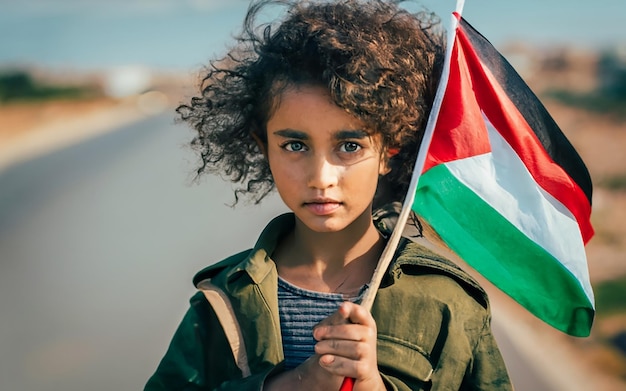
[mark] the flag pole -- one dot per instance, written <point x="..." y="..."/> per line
<point x="394" y="240"/>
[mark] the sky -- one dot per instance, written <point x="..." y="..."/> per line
<point x="185" y="34"/>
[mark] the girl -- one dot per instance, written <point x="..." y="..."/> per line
<point x="329" y="108"/>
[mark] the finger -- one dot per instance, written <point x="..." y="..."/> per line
<point x="337" y="365"/>
<point x="349" y="332"/>
<point x="357" y="314"/>
<point x="354" y="350"/>
<point x="342" y="366"/>
<point x="348" y="313"/>
<point x="338" y="317"/>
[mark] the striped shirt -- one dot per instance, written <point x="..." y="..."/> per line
<point x="299" y="310"/>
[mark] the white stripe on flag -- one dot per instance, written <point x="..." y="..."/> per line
<point x="502" y="181"/>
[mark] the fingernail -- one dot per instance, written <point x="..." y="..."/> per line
<point x="327" y="360"/>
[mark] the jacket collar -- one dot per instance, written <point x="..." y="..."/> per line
<point x="415" y="253"/>
<point x="258" y="263"/>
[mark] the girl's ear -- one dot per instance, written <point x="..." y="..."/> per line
<point x="260" y="143"/>
<point x="384" y="168"/>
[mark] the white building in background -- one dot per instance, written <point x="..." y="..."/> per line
<point x="135" y="82"/>
<point x="125" y="81"/>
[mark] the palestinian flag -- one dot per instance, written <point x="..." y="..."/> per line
<point x="505" y="189"/>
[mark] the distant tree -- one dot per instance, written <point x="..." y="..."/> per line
<point x="610" y="95"/>
<point x="612" y="75"/>
<point x="15" y="85"/>
<point x="20" y="86"/>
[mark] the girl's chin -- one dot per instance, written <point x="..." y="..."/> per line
<point x="323" y="224"/>
<point x="337" y="220"/>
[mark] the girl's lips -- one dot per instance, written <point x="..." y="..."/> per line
<point x="322" y="208"/>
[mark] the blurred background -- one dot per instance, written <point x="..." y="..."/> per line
<point x="102" y="225"/>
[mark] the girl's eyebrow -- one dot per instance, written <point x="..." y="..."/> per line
<point x="290" y="133"/>
<point x="351" y="134"/>
<point x="340" y="135"/>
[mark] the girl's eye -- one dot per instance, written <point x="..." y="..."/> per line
<point x="294" y="146"/>
<point x="349" y="147"/>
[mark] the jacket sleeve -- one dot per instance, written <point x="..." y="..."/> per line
<point x="199" y="343"/>
<point x="180" y="368"/>
<point x="487" y="370"/>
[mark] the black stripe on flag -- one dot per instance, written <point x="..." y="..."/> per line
<point x="548" y="132"/>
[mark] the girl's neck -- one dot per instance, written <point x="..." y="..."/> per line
<point x="330" y="262"/>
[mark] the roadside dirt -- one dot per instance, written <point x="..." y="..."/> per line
<point x="30" y="129"/>
<point x="18" y="118"/>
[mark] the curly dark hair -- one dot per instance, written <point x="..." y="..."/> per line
<point x="379" y="62"/>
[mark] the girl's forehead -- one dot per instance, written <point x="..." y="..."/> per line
<point x="309" y="96"/>
<point x="311" y="104"/>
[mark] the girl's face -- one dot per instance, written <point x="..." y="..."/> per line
<point x="325" y="164"/>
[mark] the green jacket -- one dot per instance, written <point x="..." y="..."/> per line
<point x="433" y="323"/>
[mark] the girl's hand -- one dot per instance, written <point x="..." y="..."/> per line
<point x="307" y="376"/>
<point x="347" y="346"/>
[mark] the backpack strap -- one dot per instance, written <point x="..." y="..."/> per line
<point x="226" y="315"/>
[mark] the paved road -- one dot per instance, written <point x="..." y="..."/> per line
<point x="97" y="246"/>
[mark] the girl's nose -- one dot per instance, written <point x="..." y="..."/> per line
<point x="323" y="173"/>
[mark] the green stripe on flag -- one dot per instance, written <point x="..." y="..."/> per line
<point x="501" y="253"/>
